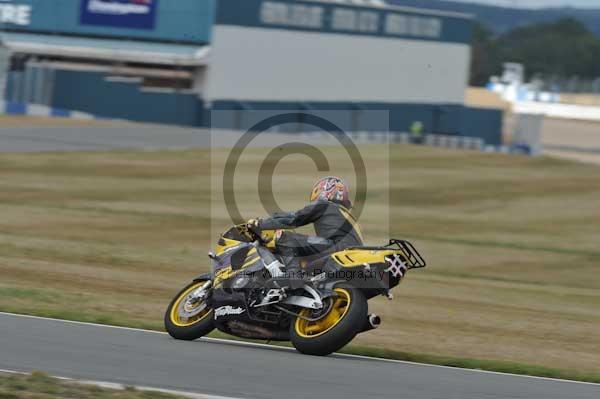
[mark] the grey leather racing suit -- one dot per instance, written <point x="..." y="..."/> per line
<point x="335" y="229"/>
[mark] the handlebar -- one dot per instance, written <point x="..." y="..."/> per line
<point x="256" y="236"/>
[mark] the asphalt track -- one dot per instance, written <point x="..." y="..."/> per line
<point x="109" y="137"/>
<point x="121" y="136"/>
<point x="217" y="367"/>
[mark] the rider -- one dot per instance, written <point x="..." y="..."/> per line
<point x="329" y="212"/>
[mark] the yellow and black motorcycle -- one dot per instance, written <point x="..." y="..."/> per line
<point x="319" y="311"/>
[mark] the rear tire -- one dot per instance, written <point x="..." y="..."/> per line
<point x="192" y="328"/>
<point x="336" y="328"/>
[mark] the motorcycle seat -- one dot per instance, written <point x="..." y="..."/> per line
<point x="318" y="264"/>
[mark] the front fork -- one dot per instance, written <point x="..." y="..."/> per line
<point x="200" y="293"/>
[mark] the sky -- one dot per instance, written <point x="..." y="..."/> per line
<point x="537" y="3"/>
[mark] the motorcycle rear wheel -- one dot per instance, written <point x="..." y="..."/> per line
<point x="199" y="319"/>
<point x="343" y="320"/>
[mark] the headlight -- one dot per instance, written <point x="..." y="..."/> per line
<point x="240" y="281"/>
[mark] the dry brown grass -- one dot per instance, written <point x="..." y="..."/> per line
<point x="512" y="245"/>
<point x="565" y="132"/>
<point x="483" y="98"/>
<point x="580" y="99"/>
<point x="572" y="140"/>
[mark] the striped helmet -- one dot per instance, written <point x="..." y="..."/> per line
<point x="330" y="188"/>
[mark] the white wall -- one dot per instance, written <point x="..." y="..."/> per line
<point x="284" y="65"/>
<point x="564" y="111"/>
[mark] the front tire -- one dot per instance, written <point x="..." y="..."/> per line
<point x="344" y="319"/>
<point x="188" y="320"/>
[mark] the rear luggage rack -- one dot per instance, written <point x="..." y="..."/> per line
<point x="413" y="257"/>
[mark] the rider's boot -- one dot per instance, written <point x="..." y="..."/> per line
<point x="292" y="267"/>
<point x="274" y="266"/>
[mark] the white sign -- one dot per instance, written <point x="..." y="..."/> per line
<point x="103" y="7"/>
<point x="357" y="21"/>
<point x="351" y="20"/>
<point x="396" y="24"/>
<point x="299" y="15"/>
<point x="16" y="14"/>
<point x="227" y="310"/>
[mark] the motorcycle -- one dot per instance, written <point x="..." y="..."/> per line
<point x="319" y="311"/>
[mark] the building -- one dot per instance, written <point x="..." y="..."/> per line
<point x="172" y="61"/>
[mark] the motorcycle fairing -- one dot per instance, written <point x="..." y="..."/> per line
<point x="233" y="305"/>
<point x="359" y="257"/>
<point x="223" y="268"/>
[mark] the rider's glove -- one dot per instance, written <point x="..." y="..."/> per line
<point x="253" y="222"/>
<point x="254" y="225"/>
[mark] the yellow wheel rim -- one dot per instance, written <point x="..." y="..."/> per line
<point x="339" y="309"/>
<point x="183" y="321"/>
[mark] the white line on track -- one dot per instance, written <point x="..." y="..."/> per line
<point x="112" y="385"/>
<point x="282" y="348"/>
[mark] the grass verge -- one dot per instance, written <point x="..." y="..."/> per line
<point x="475" y="364"/>
<point x="39" y="385"/>
<point x="511" y="243"/>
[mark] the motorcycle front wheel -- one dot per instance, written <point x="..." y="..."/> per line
<point x="343" y="318"/>
<point x="188" y="318"/>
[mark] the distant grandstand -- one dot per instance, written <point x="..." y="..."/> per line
<point x="175" y="61"/>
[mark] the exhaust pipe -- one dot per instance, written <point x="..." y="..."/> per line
<point x="372" y="322"/>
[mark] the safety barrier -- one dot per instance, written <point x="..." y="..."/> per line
<point x="12" y="108"/>
<point x="466" y="143"/>
<point x="433" y="140"/>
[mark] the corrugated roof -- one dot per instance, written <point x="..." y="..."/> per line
<point x="106" y="49"/>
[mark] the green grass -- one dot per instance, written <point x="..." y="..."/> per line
<point x="511" y="243"/>
<point x="476" y="364"/>
<point x="38" y="385"/>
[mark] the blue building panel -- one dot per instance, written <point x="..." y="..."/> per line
<point x="446" y="119"/>
<point x="192" y="20"/>
<point x="347" y="19"/>
<point x="88" y="91"/>
<point x="163" y="20"/>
